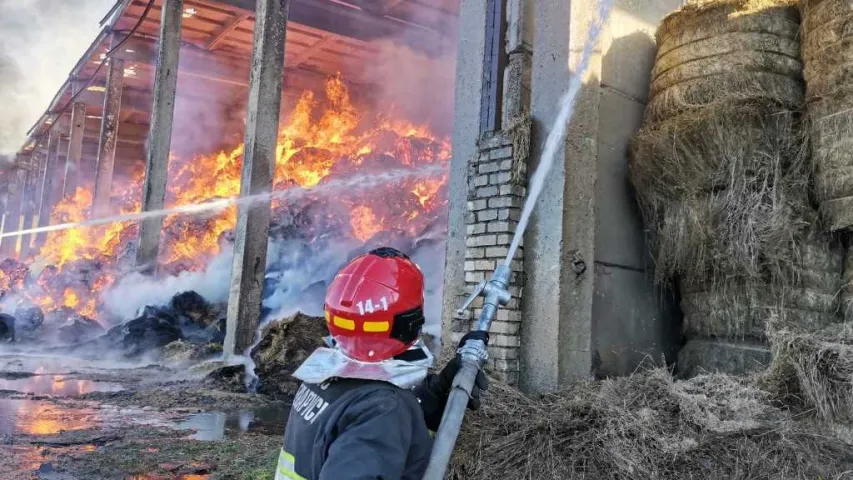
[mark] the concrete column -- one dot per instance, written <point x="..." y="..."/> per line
<point x="559" y="253"/>
<point x="13" y="213"/>
<point x="250" y="248"/>
<point x="48" y="179"/>
<point x="466" y="130"/>
<point x="160" y="134"/>
<point x="73" y="165"/>
<point x="519" y="48"/>
<point x="28" y="197"/>
<point x="108" y="139"/>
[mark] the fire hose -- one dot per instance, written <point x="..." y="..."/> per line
<point x="473" y="355"/>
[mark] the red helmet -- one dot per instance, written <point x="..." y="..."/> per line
<point x="374" y="306"/>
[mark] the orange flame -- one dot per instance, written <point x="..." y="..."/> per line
<point x="320" y="138"/>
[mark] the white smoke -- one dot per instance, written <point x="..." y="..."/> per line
<point x="40" y="41"/>
<point x="135" y="291"/>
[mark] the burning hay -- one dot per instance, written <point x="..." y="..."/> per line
<point x="284" y="345"/>
<point x="643" y="426"/>
<point x="829" y="81"/>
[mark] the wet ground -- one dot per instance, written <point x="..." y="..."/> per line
<point x="65" y="419"/>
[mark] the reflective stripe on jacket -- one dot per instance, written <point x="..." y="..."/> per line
<point x="354" y="430"/>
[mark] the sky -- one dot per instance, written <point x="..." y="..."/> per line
<point x="40" y="41"/>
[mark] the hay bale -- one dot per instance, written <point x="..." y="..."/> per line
<point x="643" y="426"/>
<point x="705" y="355"/>
<point x="834" y="183"/>
<point x="730" y="64"/>
<point x="691" y="95"/>
<point x="726" y="44"/>
<point x="813" y="370"/>
<point x="708" y="149"/>
<point x="722" y="189"/>
<point x="847" y="289"/>
<point x="837" y="213"/>
<point x="700" y="20"/>
<point x="824" y="15"/>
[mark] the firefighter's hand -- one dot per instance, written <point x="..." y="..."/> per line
<point x="445" y="378"/>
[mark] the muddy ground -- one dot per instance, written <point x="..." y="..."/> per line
<point x="66" y="418"/>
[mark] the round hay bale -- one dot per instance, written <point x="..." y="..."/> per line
<point x="834" y="183"/>
<point x="701" y="355"/>
<point x="746" y="322"/>
<point x="847" y="291"/>
<point x="815" y="279"/>
<point x="717" y="303"/>
<point x="826" y="111"/>
<point x="706" y="149"/>
<point x="829" y="35"/>
<point x="700" y="92"/>
<point x="837" y="213"/>
<point x="835" y="83"/>
<point x="732" y="64"/>
<point x="820" y="15"/>
<point x="725" y="44"/>
<point x="701" y="20"/>
<point x="832" y="149"/>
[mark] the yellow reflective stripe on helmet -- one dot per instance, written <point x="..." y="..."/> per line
<point x="376" y="327"/>
<point x="344" y="323"/>
<point x="286" y="467"/>
<point x="326" y="314"/>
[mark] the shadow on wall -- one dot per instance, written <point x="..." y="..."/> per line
<point x="633" y="320"/>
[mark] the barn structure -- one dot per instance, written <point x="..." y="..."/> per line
<point x="583" y="302"/>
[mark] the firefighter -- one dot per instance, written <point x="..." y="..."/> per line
<point x="366" y="405"/>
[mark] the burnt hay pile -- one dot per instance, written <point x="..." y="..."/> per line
<point x="722" y="175"/>
<point x="643" y="426"/>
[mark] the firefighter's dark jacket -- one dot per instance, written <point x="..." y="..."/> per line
<point x="355" y="430"/>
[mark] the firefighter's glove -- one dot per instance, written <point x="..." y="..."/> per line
<point x="435" y="389"/>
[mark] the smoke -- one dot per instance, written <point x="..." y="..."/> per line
<point x="414" y="85"/>
<point x="40" y="43"/>
<point x="135" y="291"/>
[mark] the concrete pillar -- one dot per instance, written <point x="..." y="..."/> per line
<point x="13" y="213"/>
<point x="48" y="179"/>
<point x="560" y="249"/>
<point x="73" y="166"/>
<point x="28" y="210"/>
<point x="108" y="139"/>
<point x="519" y="48"/>
<point x="250" y="248"/>
<point x="466" y="130"/>
<point x="160" y="134"/>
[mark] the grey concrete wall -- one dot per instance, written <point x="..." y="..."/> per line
<point x="466" y="131"/>
<point x="632" y="319"/>
<point x="589" y="304"/>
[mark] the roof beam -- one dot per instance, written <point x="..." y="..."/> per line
<point x="359" y="23"/>
<point x="223" y="32"/>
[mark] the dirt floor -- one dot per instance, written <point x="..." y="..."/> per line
<point x="71" y="419"/>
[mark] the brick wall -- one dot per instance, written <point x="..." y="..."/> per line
<point x="496" y="191"/>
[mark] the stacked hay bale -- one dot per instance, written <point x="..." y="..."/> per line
<point x="722" y="176"/>
<point x="828" y="64"/>
<point x="827" y="56"/>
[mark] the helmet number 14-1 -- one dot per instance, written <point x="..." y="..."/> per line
<point x="367" y="305"/>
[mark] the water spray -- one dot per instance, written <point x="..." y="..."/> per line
<point x="495" y="292"/>
<point x="350" y="184"/>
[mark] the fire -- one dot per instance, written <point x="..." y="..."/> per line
<point x="321" y="138"/>
<point x="364" y="223"/>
